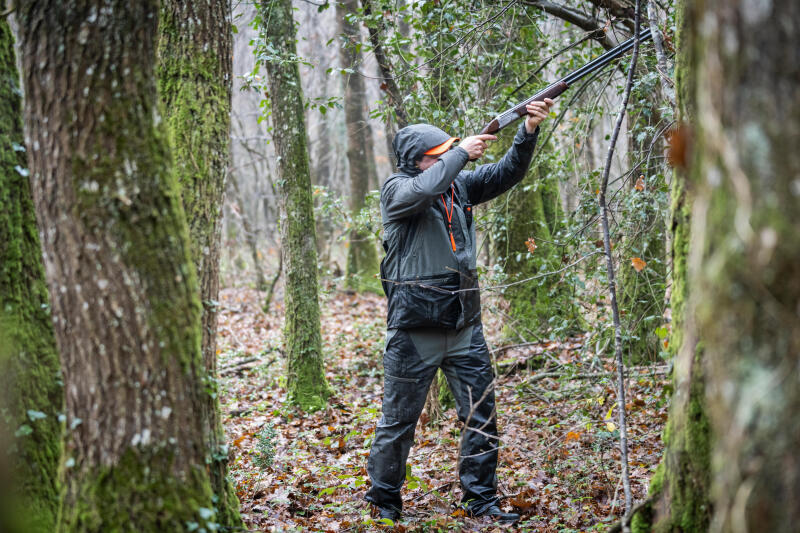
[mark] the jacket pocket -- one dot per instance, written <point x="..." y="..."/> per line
<point x="426" y="302"/>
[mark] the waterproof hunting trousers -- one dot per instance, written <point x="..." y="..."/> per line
<point x="410" y="361"/>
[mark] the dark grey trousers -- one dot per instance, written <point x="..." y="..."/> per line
<point x="410" y="361"/>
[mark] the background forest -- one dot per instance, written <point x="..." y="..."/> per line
<point x="191" y="313"/>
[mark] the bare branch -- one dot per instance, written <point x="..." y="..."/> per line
<point x="391" y="88"/>
<point x="580" y="19"/>
<point x="623" y="432"/>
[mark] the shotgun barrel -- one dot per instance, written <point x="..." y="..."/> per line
<point x="554" y="89"/>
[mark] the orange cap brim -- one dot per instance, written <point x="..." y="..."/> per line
<point x="442" y="148"/>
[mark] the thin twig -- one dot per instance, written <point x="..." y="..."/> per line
<point x="623" y="432"/>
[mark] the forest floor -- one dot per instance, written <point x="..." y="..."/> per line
<point x="559" y="462"/>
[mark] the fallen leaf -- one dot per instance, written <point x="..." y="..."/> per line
<point x="572" y="435"/>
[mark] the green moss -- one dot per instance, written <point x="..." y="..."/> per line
<point x="641" y="522"/>
<point x="30" y="384"/>
<point x="194" y="82"/>
<point x="681" y="487"/>
<point x="138" y="494"/>
<point x="657" y="481"/>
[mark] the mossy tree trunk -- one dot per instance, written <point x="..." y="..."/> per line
<point x="194" y="81"/>
<point x="533" y="210"/>
<point x="679" y="497"/>
<point x="302" y="339"/>
<point x="30" y="384"/>
<point x="745" y="257"/>
<point x="362" y="254"/>
<point x="117" y="256"/>
<point x="743" y="268"/>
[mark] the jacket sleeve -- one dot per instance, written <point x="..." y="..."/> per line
<point x="492" y="180"/>
<point x="402" y="197"/>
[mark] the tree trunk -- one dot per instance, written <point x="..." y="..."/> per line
<point x="302" y="339"/>
<point x="29" y="383"/>
<point x="117" y="256"/>
<point x="362" y="256"/>
<point x="745" y="261"/>
<point x="194" y="81"/>
<point x="679" y="498"/>
<point x="743" y="268"/>
<point x="533" y="210"/>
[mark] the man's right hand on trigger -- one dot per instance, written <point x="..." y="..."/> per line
<point x="476" y="145"/>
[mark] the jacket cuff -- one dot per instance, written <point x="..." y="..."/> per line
<point x="460" y="151"/>
<point x="523" y="134"/>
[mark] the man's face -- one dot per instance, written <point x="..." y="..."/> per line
<point x="427" y="161"/>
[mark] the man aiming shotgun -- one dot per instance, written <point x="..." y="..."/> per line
<point x="429" y="276"/>
<point x="430" y="244"/>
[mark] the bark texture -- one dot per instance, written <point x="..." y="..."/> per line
<point x="302" y="339"/>
<point x="194" y="82"/>
<point x="362" y="255"/>
<point x="117" y="257"/>
<point x="31" y="395"/>
<point x="679" y="498"/>
<point x="745" y="259"/>
<point x="743" y="269"/>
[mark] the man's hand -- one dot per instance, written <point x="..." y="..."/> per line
<point x="476" y="145"/>
<point x="537" y="112"/>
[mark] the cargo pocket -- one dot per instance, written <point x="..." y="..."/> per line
<point x="401" y="399"/>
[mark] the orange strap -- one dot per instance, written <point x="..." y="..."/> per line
<point x="449" y="216"/>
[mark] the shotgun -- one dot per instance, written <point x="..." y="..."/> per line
<point x="554" y="89"/>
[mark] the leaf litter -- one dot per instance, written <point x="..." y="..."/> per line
<point x="558" y="460"/>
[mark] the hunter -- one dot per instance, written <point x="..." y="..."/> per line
<point x="434" y="315"/>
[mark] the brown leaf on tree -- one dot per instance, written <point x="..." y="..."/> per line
<point x="531" y="244"/>
<point x="678" y="153"/>
<point x="638" y="264"/>
<point x="384" y="87"/>
<point x="639" y="183"/>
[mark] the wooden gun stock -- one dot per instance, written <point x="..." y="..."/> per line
<point x="518" y="111"/>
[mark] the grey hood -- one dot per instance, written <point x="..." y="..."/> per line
<point x="411" y="143"/>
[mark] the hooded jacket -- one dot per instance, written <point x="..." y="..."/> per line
<point x="427" y="283"/>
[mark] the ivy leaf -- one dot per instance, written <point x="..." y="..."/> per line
<point x="23" y="431"/>
<point x="33" y="416"/>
